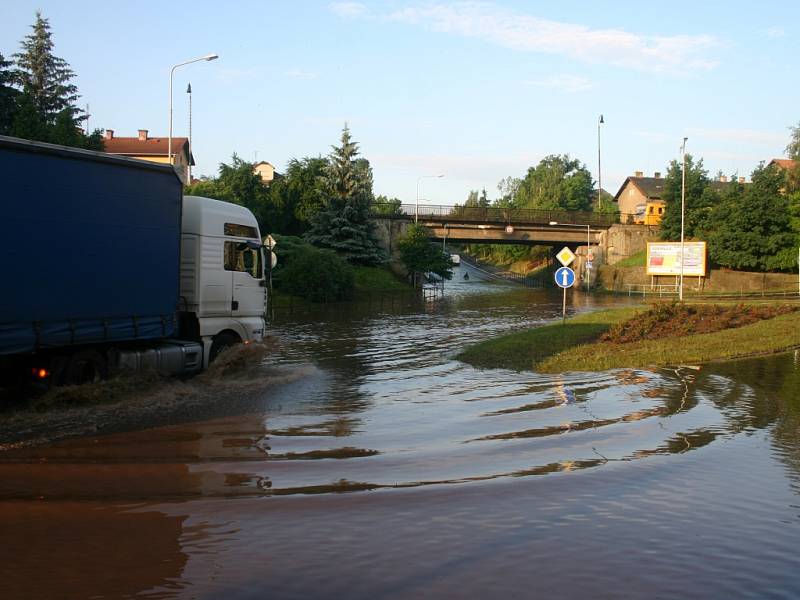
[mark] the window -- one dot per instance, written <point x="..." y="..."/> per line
<point x="235" y="230"/>
<point x="240" y="257"/>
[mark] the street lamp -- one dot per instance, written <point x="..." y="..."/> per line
<point x="189" y="92"/>
<point x="599" y="175"/>
<point x="683" y="209"/>
<point x="588" y="245"/>
<point x="416" y="208"/>
<point x="171" y="73"/>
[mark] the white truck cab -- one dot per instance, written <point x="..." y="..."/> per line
<point x="222" y="273"/>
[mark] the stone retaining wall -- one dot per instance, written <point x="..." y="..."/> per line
<point x="718" y="280"/>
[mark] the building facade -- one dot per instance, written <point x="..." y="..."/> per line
<point x="153" y="149"/>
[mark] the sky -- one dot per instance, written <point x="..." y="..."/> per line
<point x="476" y="91"/>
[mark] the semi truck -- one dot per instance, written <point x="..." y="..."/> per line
<point x="104" y="265"/>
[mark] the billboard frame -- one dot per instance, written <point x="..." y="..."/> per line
<point x="671" y="252"/>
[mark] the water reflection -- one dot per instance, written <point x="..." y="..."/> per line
<point x="85" y="550"/>
<point x="390" y="409"/>
<point x="634" y="475"/>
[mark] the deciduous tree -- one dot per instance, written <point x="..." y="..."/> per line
<point x="751" y="225"/>
<point x="558" y="182"/>
<point x="699" y="201"/>
<point x="419" y="255"/>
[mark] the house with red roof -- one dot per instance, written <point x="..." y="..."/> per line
<point x="153" y="149"/>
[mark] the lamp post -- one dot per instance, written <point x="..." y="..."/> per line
<point x="416" y="207"/>
<point x="588" y="244"/>
<point x="683" y="209"/>
<point x="600" y="121"/>
<point x="189" y="92"/>
<point x="171" y="73"/>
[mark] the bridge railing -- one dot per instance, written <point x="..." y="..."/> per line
<point x="505" y="216"/>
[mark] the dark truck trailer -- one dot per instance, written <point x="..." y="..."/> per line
<point x="89" y="248"/>
<point x="104" y="262"/>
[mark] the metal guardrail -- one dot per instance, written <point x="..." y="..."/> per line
<point x="501" y="274"/>
<point x="672" y="290"/>
<point x="505" y="216"/>
<point x="660" y="289"/>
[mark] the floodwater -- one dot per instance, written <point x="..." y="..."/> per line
<point x="390" y="470"/>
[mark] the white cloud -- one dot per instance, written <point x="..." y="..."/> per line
<point x="775" y="32"/>
<point x="348" y="10"/>
<point x="518" y="31"/>
<point x="565" y="83"/>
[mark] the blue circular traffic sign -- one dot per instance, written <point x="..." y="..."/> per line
<point x="565" y="277"/>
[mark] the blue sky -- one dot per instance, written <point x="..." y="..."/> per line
<point x="477" y="91"/>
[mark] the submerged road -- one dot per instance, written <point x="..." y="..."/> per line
<point x="388" y="469"/>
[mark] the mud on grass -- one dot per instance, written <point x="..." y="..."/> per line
<point x="678" y="320"/>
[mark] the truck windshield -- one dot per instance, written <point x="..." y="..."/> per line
<point x="238" y="257"/>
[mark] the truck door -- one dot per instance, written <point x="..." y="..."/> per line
<point x="244" y="260"/>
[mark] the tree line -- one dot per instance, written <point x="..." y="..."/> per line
<point x="557" y="182"/>
<point x="38" y="100"/>
<point x="321" y="212"/>
<point x="747" y="226"/>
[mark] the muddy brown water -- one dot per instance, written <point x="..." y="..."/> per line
<point x="390" y="470"/>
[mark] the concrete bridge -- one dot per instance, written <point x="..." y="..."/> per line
<point x="504" y="225"/>
<point x="609" y="241"/>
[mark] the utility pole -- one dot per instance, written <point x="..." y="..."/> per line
<point x="599" y="173"/>
<point x="683" y="211"/>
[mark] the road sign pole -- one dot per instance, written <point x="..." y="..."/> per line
<point x="564" y="308"/>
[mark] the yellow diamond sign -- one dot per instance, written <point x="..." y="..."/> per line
<point x="565" y="256"/>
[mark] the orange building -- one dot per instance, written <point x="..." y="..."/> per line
<point x="640" y="199"/>
<point x="153" y="149"/>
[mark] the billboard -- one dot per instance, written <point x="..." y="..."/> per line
<point x="664" y="258"/>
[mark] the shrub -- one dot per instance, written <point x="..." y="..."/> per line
<point x="312" y="273"/>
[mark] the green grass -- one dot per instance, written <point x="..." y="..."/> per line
<point x="764" y="337"/>
<point x="634" y="260"/>
<point x="377" y="279"/>
<point x="526" y="349"/>
<point x="558" y="348"/>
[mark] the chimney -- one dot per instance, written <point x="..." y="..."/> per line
<point x="657" y="174"/>
<point x="723" y="178"/>
<point x="741" y="179"/>
<point x="109" y="134"/>
<point x="638" y="174"/>
<point x="143" y="135"/>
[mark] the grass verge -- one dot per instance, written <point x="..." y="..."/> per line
<point x="764" y="337"/>
<point x="574" y="347"/>
<point x="634" y="260"/>
<point x="526" y="349"/>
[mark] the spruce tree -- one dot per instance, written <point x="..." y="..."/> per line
<point x="45" y="77"/>
<point x="8" y="97"/>
<point x="344" y="224"/>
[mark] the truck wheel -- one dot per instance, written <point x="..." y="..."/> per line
<point x="221" y="341"/>
<point x="58" y="369"/>
<point x="87" y="366"/>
